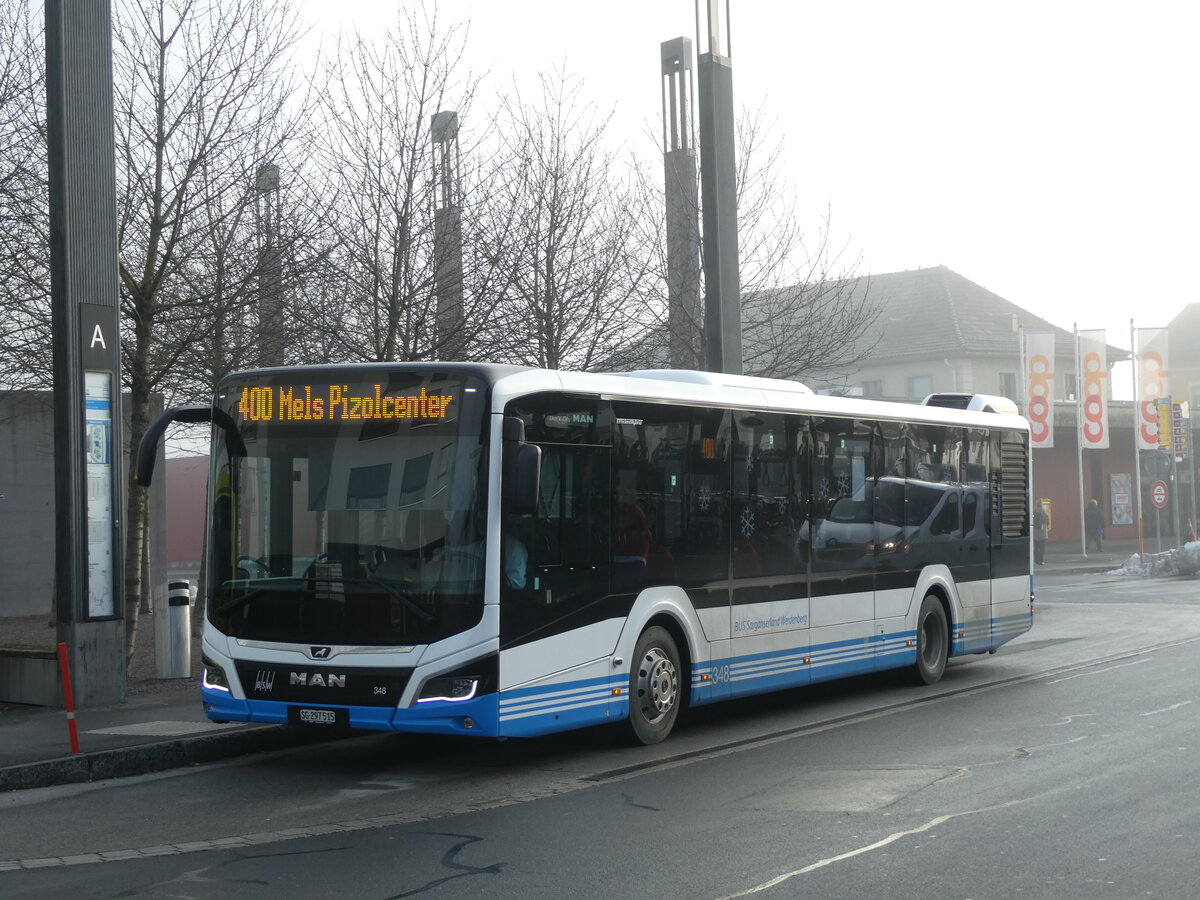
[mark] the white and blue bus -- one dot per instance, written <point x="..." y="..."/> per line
<point x="493" y="550"/>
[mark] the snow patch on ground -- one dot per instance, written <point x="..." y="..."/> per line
<point x="1184" y="561"/>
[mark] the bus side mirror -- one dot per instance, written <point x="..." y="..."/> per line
<point x="143" y="470"/>
<point x="522" y="469"/>
<point x="522" y="478"/>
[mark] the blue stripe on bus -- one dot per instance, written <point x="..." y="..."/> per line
<point x="434" y="717"/>
<point x="561" y="697"/>
<point x="546" y="708"/>
<point x="976" y="637"/>
<point x="773" y="670"/>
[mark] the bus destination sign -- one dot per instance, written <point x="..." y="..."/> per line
<point x="338" y="403"/>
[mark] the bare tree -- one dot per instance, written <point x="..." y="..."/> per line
<point x="377" y="292"/>
<point x="197" y="86"/>
<point x="802" y="311"/>
<point x="25" y="357"/>
<point x="555" y="241"/>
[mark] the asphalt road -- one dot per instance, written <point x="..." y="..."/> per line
<point x="1064" y="766"/>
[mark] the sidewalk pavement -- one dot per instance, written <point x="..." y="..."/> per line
<point x="1068" y="558"/>
<point x="148" y="733"/>
<point x="168" y="729"/>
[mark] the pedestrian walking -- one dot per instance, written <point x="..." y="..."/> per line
<point x="1093" y="525"/>
<point x="1041" y="531"/>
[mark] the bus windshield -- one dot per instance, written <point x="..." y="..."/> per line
<point x="350" y="511"/>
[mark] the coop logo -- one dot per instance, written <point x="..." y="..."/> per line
<point x="316" y="679"/>
<point x="1040" y="393"/>
<point x="1093" y="399"/>
<point x="264" y="681"/>
<point x="1152" y="378"/>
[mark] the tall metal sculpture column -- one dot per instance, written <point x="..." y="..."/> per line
<point x="718" y="185"/>
<point x="447" y="237"/>
<point x="88" y="470"/>
<point x="682" y="206"/>
<point x="271" y="338"/>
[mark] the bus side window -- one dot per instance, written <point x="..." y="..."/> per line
<point x="570" y="531"/>
<point x="843" y="495"/>
<point x="671" y="478"/>
<point x="770" y="469"/>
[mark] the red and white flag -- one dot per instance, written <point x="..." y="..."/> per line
<point x="1153" y="382"/>
<point x="1093" y="390"/>
<point x="1039" y="387"/>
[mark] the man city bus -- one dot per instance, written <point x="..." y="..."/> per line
<point x="495" y="550"/>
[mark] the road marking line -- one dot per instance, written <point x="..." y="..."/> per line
<point x="1068" y="720"/>
<point x="1099" y="671"/>
<point x="1155" y="712"/>
<point x="849" y="854"/>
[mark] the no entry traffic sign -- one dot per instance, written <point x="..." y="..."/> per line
<point x="1158" y="494"/>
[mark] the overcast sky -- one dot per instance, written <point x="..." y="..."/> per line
<point x="1045" y="150"/>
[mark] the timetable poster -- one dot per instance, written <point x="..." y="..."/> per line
<point x="97" y="440"/>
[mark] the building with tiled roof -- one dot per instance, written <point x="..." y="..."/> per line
<point x="937" y="331"/>
<point x="1184" y="347"/>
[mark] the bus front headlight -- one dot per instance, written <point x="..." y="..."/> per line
<point x="455" y="688"/>
<point x="214" y="676"/>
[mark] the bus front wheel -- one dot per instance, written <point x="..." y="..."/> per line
<point x="654" y="688"/>
<point x="932" y="641"/>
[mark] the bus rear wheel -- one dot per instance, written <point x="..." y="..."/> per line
<point x="933" y="641"/>
<point x="654" y="686"/>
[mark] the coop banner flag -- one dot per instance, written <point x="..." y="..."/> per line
<point x="1039" y="387"/>
<point x="1093" y="390"/>
<point x="1153" y="382"/>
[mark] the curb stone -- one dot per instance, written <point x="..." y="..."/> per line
<point x="156" y="757"/>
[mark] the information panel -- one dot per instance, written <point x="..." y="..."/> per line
<point x="97" y="442"/>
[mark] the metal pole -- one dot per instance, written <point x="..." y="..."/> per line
<point x="1079" y="438"/>
<point x="1137" y="421"/>
<point x="682" y="206"/>
<point x="1191" y="456"/>
<point x="718" y="191"/>
<point x="88" y="423"/>
<point x="1158" y="527"/>
<point x="1174" y="495"/>
<point x="447" y="237"/>
<point x="270" y="289"/>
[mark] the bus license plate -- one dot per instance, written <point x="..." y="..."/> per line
<point x="306" y="716"/>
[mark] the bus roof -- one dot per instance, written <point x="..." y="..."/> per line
<point x="716" y="389"/>
<point x="675" y="386"/>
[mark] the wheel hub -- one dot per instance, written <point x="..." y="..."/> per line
<point x="657" y="684"/>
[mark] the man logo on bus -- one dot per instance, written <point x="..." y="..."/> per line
<point x="319" y="652"/>
<point x="316" y="679"/>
